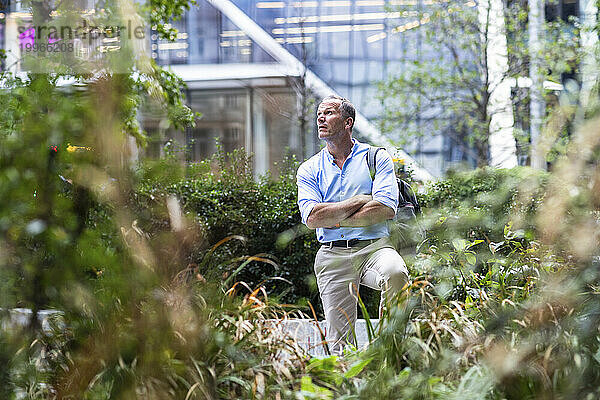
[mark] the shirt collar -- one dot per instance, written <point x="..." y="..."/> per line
<point x="330" y="157"/>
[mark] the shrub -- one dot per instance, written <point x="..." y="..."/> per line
<point x="486" y="200"/>
<point x="261" y="218"/>
<point x="494" y="311"/>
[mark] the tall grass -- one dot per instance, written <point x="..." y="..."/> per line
<point x="499" y="311"/>
<point x="502" y="307"/>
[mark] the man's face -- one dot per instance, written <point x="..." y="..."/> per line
<point x="329" y="119"/>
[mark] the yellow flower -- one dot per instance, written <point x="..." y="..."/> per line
<point x="398" y="160"/>
<point x="71" y="148"/>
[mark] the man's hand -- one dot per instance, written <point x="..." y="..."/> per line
<point x="327" y="215"/>
<point x="371" y="213"/>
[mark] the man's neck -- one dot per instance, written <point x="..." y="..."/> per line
<point x="340" y="150"/>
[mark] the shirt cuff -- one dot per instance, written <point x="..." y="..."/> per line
<point x="307" y="210"/>
<point x="386" y="201"/>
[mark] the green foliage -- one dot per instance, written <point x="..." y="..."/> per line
<point x="495" y="309"/>
<point x="231" y="202"/>
<point x="481" y="202"/>
<point x="161" y="88"/>
<point x="160" y="14"/>
<point x="160" y="297"/>
<point x="222" y="195"/>
<point x="498" y="311"/>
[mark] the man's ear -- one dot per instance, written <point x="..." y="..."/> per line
<point x="349" y="122"/>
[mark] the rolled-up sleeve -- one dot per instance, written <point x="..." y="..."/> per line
<point x="309" y="194"/>
<point x="385" y="187"/>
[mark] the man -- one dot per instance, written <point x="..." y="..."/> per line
<point x="349" y="211"/>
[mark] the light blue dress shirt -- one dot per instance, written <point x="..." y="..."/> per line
<point x="320" y="180"/>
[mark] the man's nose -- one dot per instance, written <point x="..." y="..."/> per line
<point x="321" y="118"/>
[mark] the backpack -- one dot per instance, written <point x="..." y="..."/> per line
<point x="408" y="205"/>
<point x="407" y="233"/>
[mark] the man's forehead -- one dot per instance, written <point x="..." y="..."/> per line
<point x="330" y="104"/>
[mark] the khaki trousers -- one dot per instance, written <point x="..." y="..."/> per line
<point x="339" y="273"/>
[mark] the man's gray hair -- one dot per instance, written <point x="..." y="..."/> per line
<point x="346" y="108"/>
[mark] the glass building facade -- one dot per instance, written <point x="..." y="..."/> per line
<point x="349" y="44"/>
<point x="246" y="102"/>
<point x="258" y="113"/>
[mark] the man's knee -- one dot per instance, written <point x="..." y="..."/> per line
<point x="396" y="272"/>
<point x="397" y="279"/>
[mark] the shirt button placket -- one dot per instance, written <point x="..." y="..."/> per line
<point x="342" y="190"/>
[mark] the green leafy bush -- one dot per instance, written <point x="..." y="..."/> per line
<point x="223" y="196"/>
<point x="486" y="200"/>
<point x="262" y="215"/>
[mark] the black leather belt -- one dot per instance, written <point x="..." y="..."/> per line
<point x="350" y="243"/>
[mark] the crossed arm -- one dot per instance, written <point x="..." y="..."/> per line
<point x="359" y="210"/>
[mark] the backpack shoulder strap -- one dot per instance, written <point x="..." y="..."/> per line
<point x="371" y="160"/>
<point x="407" y="192"/>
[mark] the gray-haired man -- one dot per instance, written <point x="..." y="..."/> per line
<point x="349" y="211"/>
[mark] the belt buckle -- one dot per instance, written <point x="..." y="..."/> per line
<point x="348" y="244"/>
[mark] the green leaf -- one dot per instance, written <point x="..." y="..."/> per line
<point x="322" y="364"/>
<point x="235" y="379"/>
<point x="494" y="246"/>
<point x="459" y="244"/>
<point x="357" y="367"/>
<point x="507" y="228"/>
<point x="471" y="259"/>
<point x="474" y="243"/>
<point x="307" y="386"/>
